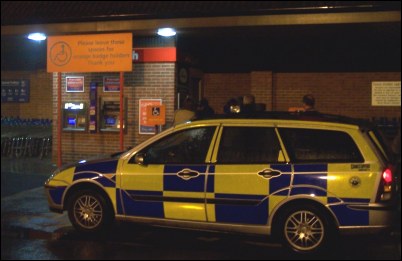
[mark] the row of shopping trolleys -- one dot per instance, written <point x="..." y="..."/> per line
<point x="25" y="137"/>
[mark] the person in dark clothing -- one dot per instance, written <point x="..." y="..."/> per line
<point x="203" y="109"/>
<point x="249" y="105"/>
<point x="308" y="106"/>
<point x="308" y="111"/>
<point x="232" y="106"/>
<point x="308" y="102"/>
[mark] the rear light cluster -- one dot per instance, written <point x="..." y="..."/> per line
<point x="385" y="190"/>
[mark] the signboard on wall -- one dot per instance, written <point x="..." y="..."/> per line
<point x="154" y="54"/>
<point x="386" y="93"/>
<point x="144" y="126"/>
<point x="75" y="84"/>
<point x="111" y="84"/>
<point x="90" y="53"/>
<point x="156" y="115"/>
<point x="15" y="91"/>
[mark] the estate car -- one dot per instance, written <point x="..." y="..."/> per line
<point x="303" y="179"/>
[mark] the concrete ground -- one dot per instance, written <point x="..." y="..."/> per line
<point x="24" y="207"/>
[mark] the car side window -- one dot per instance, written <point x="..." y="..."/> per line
<point x="307" y="146"/>
<point x="248" y="145"/>
<point x="184" y="147"/>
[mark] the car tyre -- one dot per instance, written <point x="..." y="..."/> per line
<point x="89" y="212"/>
<point x="305" y="229"/>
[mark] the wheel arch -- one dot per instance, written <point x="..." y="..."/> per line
<point x="86" y="185"/>
<point x="277" y="216"/>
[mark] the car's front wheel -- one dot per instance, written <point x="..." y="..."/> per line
<point x="89" y="212"/>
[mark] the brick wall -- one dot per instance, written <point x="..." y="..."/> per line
<point x="153" y="81"/>
<point x="40" y="97"/>
<point x="147" y="81"/>
<point x="261" y="88"/>
<point x="219" y="88"/>
<point x="335" y="93"/>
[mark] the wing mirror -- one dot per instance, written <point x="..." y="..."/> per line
<point x="140" y="159"/>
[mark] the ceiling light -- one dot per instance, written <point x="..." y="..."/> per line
<point x="166" y="32"/>
<point x="37" y="36"/>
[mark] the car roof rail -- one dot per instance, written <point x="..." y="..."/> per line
<point x="285" y="115"/>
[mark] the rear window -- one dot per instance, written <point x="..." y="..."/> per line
<point x="378" y="139"/>
<point x="306" y="145"/>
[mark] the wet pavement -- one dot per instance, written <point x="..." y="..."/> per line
<point x="24" y="207"/>
<point x="26" y="215"/>
<point x="23" y="174"/>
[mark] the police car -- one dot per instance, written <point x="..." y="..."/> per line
<point x="297" y="177"/>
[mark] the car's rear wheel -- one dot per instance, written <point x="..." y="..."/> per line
<point x="89" y="212"/>
<point x="305" y="229"/>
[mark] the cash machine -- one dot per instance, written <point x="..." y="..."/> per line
<point x="75" y="116"/>
<point x="110" y="114"/>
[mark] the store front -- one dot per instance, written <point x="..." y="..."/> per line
<point x="202" y="61"/>
<point x="91" y="102"/>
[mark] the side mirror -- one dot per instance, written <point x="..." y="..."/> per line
<point x="140" y="159"/>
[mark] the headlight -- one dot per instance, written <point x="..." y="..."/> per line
<point x="58" y="170"/>
<point x="55" y="172"/>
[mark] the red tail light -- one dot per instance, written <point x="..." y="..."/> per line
<point x="387" y="176"/>
<point x="385" y="189"/>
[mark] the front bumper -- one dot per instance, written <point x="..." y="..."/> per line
<point x="54" y="197"/>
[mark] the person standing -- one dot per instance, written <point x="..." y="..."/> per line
<point x="232" y="106"/>
<point x="203" y="109"/>
<point x="308" y="103"/>
<point x="248" y="104"/>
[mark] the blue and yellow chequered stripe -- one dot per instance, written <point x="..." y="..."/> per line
<point x="319" y="179"/>
<point x="248" y="205"/>
<point x="103" y="172"/>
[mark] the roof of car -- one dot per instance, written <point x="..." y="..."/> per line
<point x="304" y="116"/>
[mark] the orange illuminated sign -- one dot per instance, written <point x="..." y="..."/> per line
<point x="155" y="115"/>
<point x="154" y="54"/>
<point x="90" y="53"/>
<point x="147" y="126"/>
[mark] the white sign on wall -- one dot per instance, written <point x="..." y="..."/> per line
<point x="386" y="93"/>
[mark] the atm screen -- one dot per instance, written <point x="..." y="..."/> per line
<point x="72" y="121"/>
<point x="110" y="121"/>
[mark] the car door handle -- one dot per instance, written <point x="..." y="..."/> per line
<point x="187" y="174"/>
<point x="269" y="173"/>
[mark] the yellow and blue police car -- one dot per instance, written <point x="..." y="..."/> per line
<point x="301" y="178"/>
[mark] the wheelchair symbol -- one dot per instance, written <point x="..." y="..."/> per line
<point x="156" y="111"/>
<point x="60" y="53"/>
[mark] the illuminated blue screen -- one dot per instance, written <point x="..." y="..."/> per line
<point x="110" y="121"/>
<point x="71" y="121"/>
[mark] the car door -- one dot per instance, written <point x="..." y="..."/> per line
<point x="251" y="175"/>
<point x="170" y="181"/>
